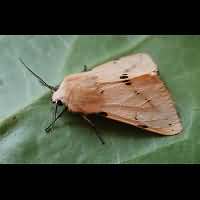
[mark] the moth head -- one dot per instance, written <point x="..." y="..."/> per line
<point x="57" y="98"/>
<point x="58" y="102"/>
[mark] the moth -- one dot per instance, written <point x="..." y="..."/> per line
<point x="127" y="89"/>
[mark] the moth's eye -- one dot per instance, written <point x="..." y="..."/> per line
<point x="59" y="103"/>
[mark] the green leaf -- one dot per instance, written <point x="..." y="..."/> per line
<point x="26" y="108"/>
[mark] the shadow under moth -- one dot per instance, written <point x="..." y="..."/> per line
<point x="128" y="90"/>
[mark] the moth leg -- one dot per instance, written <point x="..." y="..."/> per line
<point x="55" y="113"/>
<point x="53" y="122"/>
<point x="85" y="69"/>
<point x="93" y="126"/>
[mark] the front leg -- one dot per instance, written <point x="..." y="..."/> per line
<point x="55" y="119"/>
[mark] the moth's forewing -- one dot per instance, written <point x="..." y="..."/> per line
<point x="127" y="90"/>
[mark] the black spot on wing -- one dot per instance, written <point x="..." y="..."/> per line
<point x="123" y="77"/>
<point x="136" y="118"/>
<point x="137" y="93"/>
<point x="147" y="100"/>
<point x="125" y="81"/>
<point x="102" y="114"/>
<point x="142" y="126"/>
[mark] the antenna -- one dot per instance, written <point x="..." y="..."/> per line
<point x="40" y="79"/>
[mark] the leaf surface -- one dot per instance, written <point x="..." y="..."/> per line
<point x="26" y="108"/>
